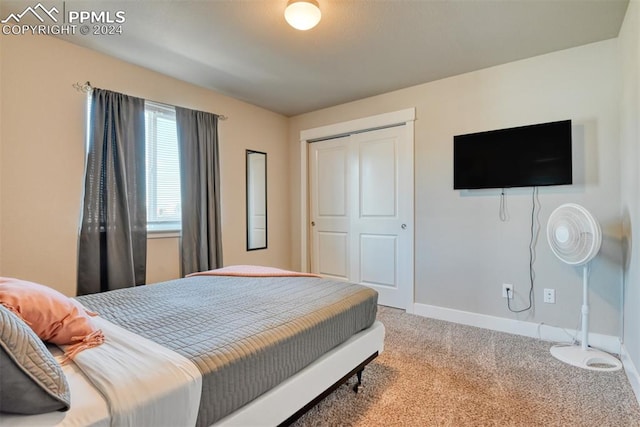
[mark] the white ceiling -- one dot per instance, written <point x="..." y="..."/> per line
<point x="361" y="48"/>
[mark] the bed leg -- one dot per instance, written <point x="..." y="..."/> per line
<point x="359" y="383"/>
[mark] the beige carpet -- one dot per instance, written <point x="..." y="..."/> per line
<point x="436" y="373"/>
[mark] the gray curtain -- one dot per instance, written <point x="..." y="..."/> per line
<point x="112" y="248"/>
<point x="200" y="186"/>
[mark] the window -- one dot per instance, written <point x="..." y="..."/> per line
<point x="163" y="168"/>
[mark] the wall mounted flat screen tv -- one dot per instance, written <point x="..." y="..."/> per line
<point x="526" y="156"/>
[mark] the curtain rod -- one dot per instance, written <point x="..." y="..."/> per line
<point x="86" y="88"/>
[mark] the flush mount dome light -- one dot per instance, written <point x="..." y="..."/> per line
<point x="302" y="14"/>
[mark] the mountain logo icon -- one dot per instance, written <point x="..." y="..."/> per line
<point x="38" y="11"/>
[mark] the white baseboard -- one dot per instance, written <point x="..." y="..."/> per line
<point x="607" y="343"/>
<point x="631" y="371"/>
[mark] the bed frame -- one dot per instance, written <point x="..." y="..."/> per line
<point x="289" y="400"/>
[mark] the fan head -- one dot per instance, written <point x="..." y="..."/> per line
<point x="573" y="234"/>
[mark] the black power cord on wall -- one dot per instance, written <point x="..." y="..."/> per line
<point x="535" y="229"/>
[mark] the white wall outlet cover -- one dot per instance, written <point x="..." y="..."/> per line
<point x="550" y="296"/>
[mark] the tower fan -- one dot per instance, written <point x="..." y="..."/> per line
<point x="575" y="237"/>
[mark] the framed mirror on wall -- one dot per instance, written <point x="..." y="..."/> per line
<point x="256" y="200"/>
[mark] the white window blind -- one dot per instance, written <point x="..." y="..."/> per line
<point x="163" y="168"/>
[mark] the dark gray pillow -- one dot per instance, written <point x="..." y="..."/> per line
<point x="31" y="380"/>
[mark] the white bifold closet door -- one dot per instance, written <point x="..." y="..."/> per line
<point x="361" y="205"/>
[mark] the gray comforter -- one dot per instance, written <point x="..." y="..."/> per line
<point x="246" y="335"/>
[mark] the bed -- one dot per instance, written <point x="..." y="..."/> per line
<point x="218" y="350"/>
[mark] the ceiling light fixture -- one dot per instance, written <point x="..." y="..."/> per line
<point x="302" y="14"/>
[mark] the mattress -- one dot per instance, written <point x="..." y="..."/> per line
<point x="245" y="335"/>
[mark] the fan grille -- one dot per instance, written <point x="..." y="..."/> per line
<point x="573" y="234"/>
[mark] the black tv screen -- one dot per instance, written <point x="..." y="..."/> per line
<point x="526" y="156"/>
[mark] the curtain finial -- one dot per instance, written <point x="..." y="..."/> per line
<point x="84" y="88"/>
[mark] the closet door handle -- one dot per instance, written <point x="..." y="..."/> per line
<point x="313" y="223"/>
<point x="403" y="226"/>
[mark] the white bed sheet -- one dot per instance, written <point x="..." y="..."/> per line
<point x="127" y="381"/>
<point x="143" y="382"/>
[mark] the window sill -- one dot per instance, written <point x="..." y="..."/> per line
<point x="163" y="234"/>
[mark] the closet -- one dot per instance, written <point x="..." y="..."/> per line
<point x="360" y="193"/>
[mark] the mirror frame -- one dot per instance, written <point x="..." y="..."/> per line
<point x="248" y="197"/>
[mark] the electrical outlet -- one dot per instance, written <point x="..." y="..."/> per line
<point x="507" y="290"/>
<point x="550" y="296"/>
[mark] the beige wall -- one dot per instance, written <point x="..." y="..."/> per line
<point x="42" y="159"/>
<point x="630" y="138"/>
<point x="463" y="252"/>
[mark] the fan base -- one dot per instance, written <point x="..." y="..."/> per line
<point x="590" y="358"/>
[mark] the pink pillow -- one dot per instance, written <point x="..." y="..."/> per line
<point x="52" y="316"/>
